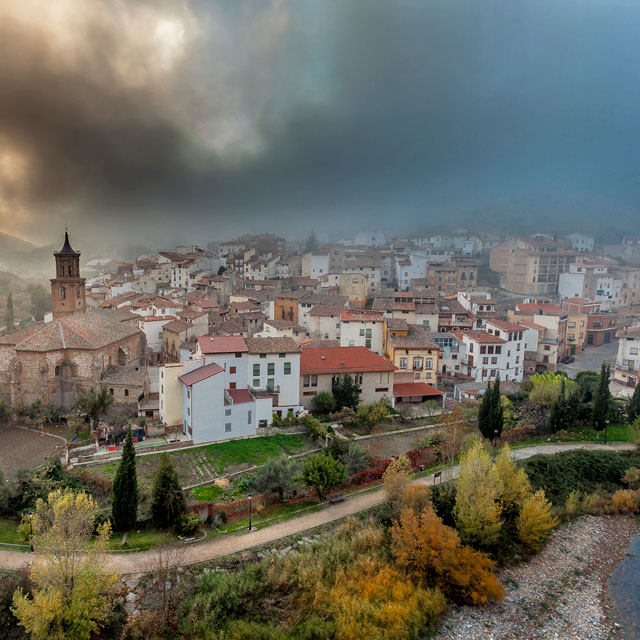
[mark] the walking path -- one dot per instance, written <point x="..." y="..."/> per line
<point x="223" y="546"/>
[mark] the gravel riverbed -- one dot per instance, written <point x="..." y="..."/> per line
<point x="560" y="594"/>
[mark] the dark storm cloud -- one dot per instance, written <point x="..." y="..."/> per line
<point x="200" y="117"/>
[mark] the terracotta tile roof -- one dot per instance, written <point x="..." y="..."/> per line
<point x="176" y="326"/>
<point x="250" y="306"/>
<point x="629" y="332"/>
<point x="417" y="338"/>
<point x="240" y="396"/>
<point x="191" y="314"/>
<point x="283" y="324"/>
<point x="294" y="295"/>
<point x="547" y="309"/>
<point x="201" y="373"/>
<point x="325" y="310"/>
<point x="481" y="336"/>
<point x="231" y="327"/>
<point x="397" y="324"/>
<point x="205" y="304"/>
<point x="325" y="299"/>
<point x="362" y="316"/>
<point x="342" y="360"/>
<point x="404" y="390"/>
<point x="504" y="326"/>
<point x="387" y="304"/>
<point x="222" y="344"/>
<point x="451" y="306"/>
<point x="318" y="344"/>
<point x="91" y="330"/>
<point x="531" y="325"/>
<point x="272" y="345"/>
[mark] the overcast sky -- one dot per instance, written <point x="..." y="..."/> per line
<point x="138" y="121"/>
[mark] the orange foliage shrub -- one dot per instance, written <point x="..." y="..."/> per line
<point x="432" y="552"/>
<point x="374" y="601"/>
<point x="624" y="501"/>
<point x="417" y="497"/>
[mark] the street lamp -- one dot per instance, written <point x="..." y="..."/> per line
<point x="495" y="436"/>
<point x="31" y="530"/>
<point x="250" y="496"/>
<point x="606" y="429"/>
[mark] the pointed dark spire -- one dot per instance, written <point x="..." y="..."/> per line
<point x="66" y="248"/>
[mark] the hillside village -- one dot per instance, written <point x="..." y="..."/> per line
<point x="212" y="343"/>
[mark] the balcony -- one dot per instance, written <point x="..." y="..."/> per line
<point x="263" y="393"/>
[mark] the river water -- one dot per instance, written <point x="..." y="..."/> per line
<point x="624" y="590"/>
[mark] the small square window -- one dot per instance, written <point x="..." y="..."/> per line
<point x="227" y="427"/>
<point x="227" y="412"/>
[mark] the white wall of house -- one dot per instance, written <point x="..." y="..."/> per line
<point x="272" y="371"/>
<point x="362" y="333"/>
<point x="153" y="331"/>
<point x="314" y="266"/>
<point x="323" y="327"/>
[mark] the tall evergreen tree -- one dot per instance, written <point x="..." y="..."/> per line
<point x="167" y="502"/>
<point x="9" y="318"/>
<point x="311" y="243"/>
<point x="634" y="404"/>
<point x="125" y="489"/>
<point x="498" y="410"/>
<point x="602" y="399"/>
<point x="484" y="413"/>
<point x="345" y="391"/>
<point x="557" y="417"/>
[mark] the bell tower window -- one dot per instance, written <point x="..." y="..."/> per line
<point x="63" y="293"/>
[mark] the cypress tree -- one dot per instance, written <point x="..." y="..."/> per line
<point x="125" y="489"/>
<point x="634" y="404"/>
<point x="484" y="413"/>
<point x="9" y="318"/>
<point x="557" y="417"/>
<point x="602" y="399"/>
<point x="497" y="415"/>
<point x="168" y="502"/>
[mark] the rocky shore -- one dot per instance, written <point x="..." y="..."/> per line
<point x="560" y="594"/>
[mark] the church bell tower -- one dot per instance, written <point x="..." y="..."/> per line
<point x="67" y="288"/>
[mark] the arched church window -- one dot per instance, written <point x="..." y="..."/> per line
<point x="57" y="370"/>
<point x="70" y="271"/>
<point x="78" y="292"/>
<point x="63" y="293"/>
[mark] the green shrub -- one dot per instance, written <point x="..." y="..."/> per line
<point x="325" y="402"/>
<point x="221" y="597"/>
<point x="188" y="524"/>
<point x="585" y="471"/>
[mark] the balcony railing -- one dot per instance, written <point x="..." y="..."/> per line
<point x="267" y="391"/>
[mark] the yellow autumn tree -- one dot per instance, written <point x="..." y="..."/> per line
<point x="375" y="601"/>
<point x="535" y="520"/>
<point x="72" y="595"/>
<point x="512" y="481"/>
<point x="477" y="510"/>
<point x="431" y="552"/>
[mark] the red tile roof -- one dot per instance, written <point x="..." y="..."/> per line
<point x="405" y="390"/>
<point x="222" y="344"/>
<point x="240" y="396"/>
<point x="536" y="308"/>
<point x="479" y="336"/>
<point x="362" y="316"/>
<point x="201" y="373"/>
<point x="504" y="326"/>
<point x="342" y="360"/>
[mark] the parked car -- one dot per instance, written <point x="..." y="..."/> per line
<point x="568" y="360"/>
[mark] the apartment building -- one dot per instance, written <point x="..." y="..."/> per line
<point x="627" y="370"/>
<point x="532" y="266"/>
<point x="411" y="350"/>
<point x="362" y="329"/>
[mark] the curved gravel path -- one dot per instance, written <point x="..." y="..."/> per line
<point x="139" y="562"/>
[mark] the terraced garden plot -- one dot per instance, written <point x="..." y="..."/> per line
<point x="202" y="463"/>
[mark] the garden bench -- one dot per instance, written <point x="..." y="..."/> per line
<point x="335" y="499"/>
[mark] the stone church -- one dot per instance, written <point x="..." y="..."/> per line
<point x="73" y="350"/>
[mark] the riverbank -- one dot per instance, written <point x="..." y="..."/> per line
<point x="560" y="594"/>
